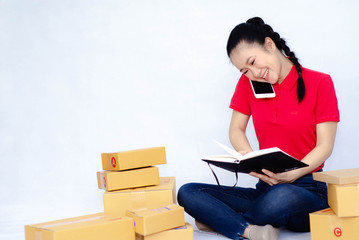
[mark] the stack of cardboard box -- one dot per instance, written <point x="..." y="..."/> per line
<point x="134" y="188"/>
<point x="341" y="220"/>
<point x="138" y="204"/>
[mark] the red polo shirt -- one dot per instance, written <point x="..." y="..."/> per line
<point x="282" y="121"/>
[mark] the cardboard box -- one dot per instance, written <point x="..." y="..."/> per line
<point x="117" y="180"/>
<point x="154" y="220"/>
<point x="133" y="159"/>
<point x="340" y="177"/>
<point x="343" y="190"/>
<point x="182" y="233"/>
<point x="344" y="199"/>
<point x="117" y="202"/>
<point x="88" y="227"/>
<point x="325" y="225"/>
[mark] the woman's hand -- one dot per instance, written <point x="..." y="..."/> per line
<point x="277" y="178"/>
<point x="244" y="152"/>
<point x="325" y="141"/>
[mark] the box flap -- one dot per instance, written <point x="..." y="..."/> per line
<point x="344" y="176"/>
<point x="327" y="211"/>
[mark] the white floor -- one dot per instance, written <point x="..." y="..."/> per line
<point x="284" y="234"/>
<point x="12" y="227"/>
<point x="15" y="231"/>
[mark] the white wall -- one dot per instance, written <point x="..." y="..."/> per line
<point x="83" y="77"/>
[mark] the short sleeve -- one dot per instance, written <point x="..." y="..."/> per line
<point x="327" y="103"/>
<point x="240" y="100"/>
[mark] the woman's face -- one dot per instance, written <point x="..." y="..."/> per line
<point x="257" y="62"/>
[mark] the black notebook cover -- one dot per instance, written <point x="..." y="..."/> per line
<point x="275" y="162"/>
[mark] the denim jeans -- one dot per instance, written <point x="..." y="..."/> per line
<point x="231" y="210"/>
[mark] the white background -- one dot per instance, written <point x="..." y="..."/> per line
<point x="82" y="77"/>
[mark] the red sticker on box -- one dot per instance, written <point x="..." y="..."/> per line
<point x="113" y="162"/>
<point x="104" y="182"/>
<point x="337" y="232"/>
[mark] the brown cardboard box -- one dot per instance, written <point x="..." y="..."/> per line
<point x="182" y="233"/>
<point x="344" y="199"/>
<point x="117" y="202"/>
<point x="154" y="220"/>
<point x="325" y="225"/>
<point x="341" y="177"/>
<point x="133" y="159"/>
<point x="117" y="180"/>
<point x="343" y="190"/>
<point x="88" y="227"/>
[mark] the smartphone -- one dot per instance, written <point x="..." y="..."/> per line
<point x="262" y="89"/>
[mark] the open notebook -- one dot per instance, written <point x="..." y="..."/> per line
<point x="272" y="159"/>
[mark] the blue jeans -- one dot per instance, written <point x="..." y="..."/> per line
<point x="231" y="210"/>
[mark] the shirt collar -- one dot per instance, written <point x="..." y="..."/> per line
<point x="290" y="80"/>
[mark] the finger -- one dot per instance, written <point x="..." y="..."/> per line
<point x="254" y="174"/>
<point x="271" y="180"/>
<point x="257" y="175"/>
<point x="268" y="173"/>
<point x="262" y="177"/>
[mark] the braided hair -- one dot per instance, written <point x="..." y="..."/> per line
<point x="255" y="31"/>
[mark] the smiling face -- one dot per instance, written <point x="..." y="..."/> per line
<point x="262" y="63"/>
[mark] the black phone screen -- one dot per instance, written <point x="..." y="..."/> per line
<point x="262" y="87"/>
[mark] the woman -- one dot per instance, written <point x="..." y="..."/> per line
<point x="301" y="120"/>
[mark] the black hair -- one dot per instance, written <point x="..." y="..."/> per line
<point x="255" y="31"/>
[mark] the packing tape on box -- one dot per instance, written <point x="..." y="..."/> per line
<point x="38" y="234"/>
<point x="72" y="222"/>
<point x="138" y="199"/>
<point x="161" y="209"/>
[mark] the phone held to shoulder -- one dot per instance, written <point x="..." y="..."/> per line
<point x="262" y="89"/>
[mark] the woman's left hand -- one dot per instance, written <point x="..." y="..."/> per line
<point x="275" y="178"/>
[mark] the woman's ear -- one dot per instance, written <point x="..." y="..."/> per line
<point x="269" y="44"/>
